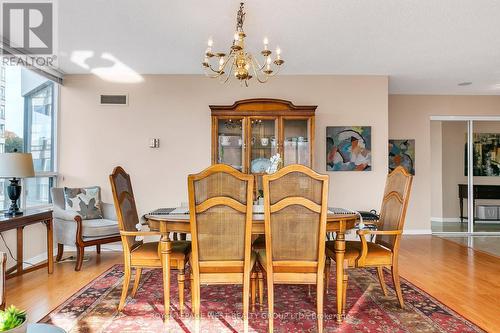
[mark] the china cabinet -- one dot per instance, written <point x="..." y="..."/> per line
<point x="246" y="134"/>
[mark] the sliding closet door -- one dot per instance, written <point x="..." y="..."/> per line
<point x="449" y="183"/>
<point x="486" y="176"/>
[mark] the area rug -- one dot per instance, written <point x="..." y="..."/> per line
<point x="93" y="308"/>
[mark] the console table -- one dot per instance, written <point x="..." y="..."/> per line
<point x="19" y="222"/>
<point x="490" y="192"/>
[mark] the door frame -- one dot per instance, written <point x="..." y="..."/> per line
<point x="470" y="176"/>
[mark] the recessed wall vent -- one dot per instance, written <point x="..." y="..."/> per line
<point x="115" y="99"/>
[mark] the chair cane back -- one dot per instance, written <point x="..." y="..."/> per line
<point x="220" y="205"/>
<point x="295" y="212"/>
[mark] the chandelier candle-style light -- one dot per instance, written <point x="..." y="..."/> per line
<point x="239" y="62"/>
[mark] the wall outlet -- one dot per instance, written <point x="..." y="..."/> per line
<point x="154" y="143"/>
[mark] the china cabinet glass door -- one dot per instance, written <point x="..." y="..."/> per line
<point x="263" y="142"/>
<point x="296" y="144"/>
<point x="231" y="143"/>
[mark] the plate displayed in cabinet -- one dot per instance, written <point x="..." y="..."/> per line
<point x="260" y="165"/>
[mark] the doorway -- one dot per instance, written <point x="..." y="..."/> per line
<point x="465" y="160"/>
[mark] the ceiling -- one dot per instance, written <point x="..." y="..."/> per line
<point x="424" y="46"/>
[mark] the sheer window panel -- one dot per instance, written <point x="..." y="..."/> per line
<point x="36" y="192"/>
<point x="4" y="199"/>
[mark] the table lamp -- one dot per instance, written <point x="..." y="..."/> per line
<point x="15" y="166"/>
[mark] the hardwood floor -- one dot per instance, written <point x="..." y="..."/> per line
<point x="465" y="280"/>
<point x="39" y="292"/>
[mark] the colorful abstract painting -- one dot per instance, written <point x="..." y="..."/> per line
<point x="402" y="152"/>
<point x="348" y="148"/>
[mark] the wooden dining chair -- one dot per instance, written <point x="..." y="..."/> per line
<point x="383" y="252"/>
<point x="138" y="254"/>
<point x="220" y="205"/>
<point x="295" y="211"/>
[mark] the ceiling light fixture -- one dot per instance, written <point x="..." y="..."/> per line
<point x="464" y="84"/>
<point x="239" y="62"/>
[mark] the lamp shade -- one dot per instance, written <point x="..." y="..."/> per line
<point x="16" y="165"/>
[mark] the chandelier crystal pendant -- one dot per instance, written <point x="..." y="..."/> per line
<point x="239" y="62"/>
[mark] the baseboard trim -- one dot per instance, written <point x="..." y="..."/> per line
<point x="446" y="219"/>
<point x="104" y="248"/>
<point x="43" y="256"/>
<point x="35" y="260"/>
<point x="417" y="232"/>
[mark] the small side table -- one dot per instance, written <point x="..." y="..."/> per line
<point x="18" y="222"/>
<point x="44" y="328"/>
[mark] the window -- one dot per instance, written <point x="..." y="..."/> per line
<point x="28" y="125"/>
<point x="38" y="127"/>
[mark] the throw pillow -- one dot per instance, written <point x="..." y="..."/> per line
<point x="85" y="201"/>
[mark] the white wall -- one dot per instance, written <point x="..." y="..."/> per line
<point x="94" y="139"/>
<point x="437" y="168"/>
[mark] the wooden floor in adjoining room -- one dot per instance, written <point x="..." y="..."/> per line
<point x="465" y="280"/>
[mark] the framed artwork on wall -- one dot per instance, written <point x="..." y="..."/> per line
<point x="348" y="148"/>
<point x="486" y="155"/>
<point x="402" y="152"/>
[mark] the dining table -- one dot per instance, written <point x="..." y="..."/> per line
<point x="172" y="222"/>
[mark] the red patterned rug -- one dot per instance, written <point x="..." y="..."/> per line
<point x="93" y="308"/>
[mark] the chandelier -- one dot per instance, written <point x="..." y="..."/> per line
<point x="239" y="62"/>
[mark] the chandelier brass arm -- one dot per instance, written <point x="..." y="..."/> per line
<point x="240" y="63"/>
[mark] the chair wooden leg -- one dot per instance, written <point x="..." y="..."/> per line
<point x="246" y="298"/>
<point x="260" y="278"/>
<point x="126" y="284"/>
<point x="397" y="285"/>
<point x="319" y="302"/>
<point x="60" y="251"/>
<point x="195" y="290"/>
<point x="138" y="272"/>
<point x="380" y="273"/>
<point x="253" y="283"/>
<point x="191" y="283"/>
<point x="80" y="250"/>
<point x="180" y="281"/>
<point x="98" y="248"/>
<point x="198" y="300"/>
<point x="327" y="274"/>
<point x="270" y="300"/>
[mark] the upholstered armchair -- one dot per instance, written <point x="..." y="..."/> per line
<point x="71" y="229"/>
